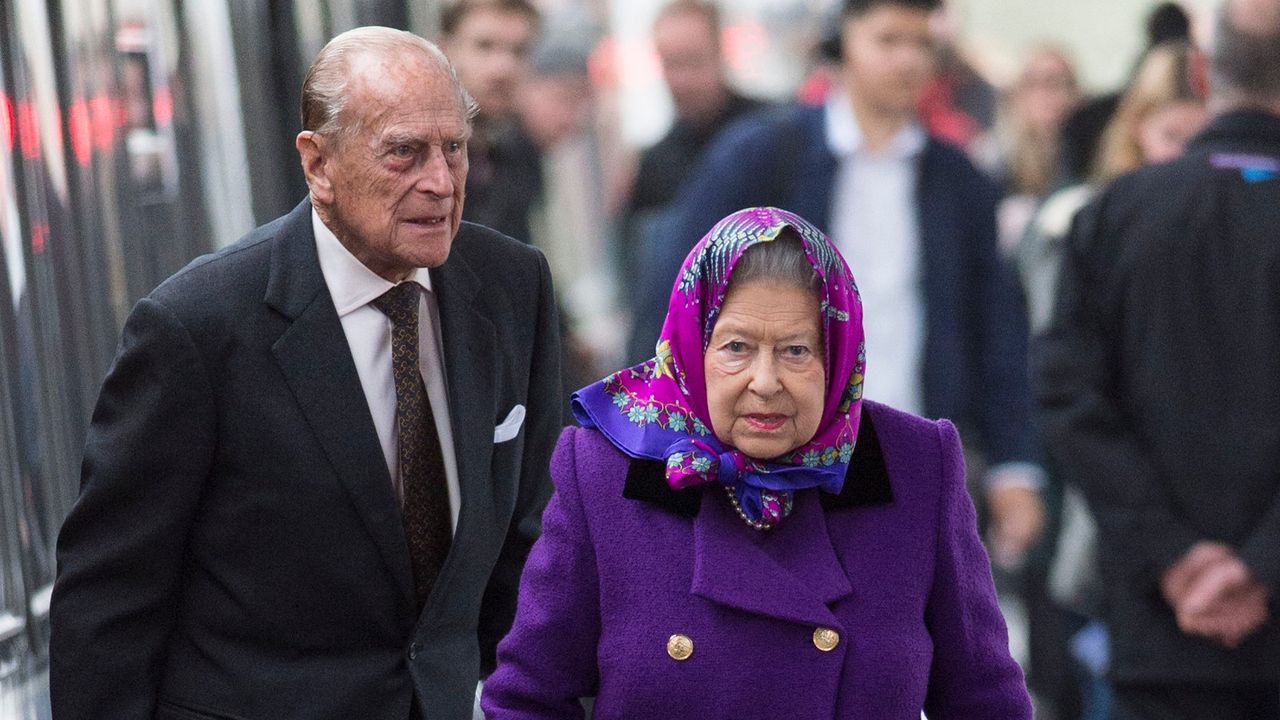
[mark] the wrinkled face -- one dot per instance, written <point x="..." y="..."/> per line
<point x="764" y="369"/>
<point x="888" y="58"/>
<point x="690" y="55"/>
<point x="490" y="50"/>
<point x="1164" y="131"/>
<point x="392" y="187"/>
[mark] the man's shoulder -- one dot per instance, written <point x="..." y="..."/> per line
<point x="502" y="263"/>
<point x="949" y="161"/>
<point x="240" y="270"/>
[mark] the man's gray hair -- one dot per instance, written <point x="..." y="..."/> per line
<point x="781" y="260"/>
<point x="1246" y="59"/>
<point x="325" y="89"/>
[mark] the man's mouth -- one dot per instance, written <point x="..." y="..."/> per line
<point x="428" y="220"/>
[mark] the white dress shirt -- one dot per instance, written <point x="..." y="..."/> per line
<point x="353" y="288"/>
<point x="874" y="222"/>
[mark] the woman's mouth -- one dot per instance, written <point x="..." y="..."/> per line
<point x="765" y="423"/>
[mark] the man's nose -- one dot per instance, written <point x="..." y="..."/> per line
<point x="435" y="178"/>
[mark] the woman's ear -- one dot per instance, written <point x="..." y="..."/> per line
<point x="315" y="166"/>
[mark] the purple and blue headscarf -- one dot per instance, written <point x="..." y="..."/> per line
<point x="658" y="409"/>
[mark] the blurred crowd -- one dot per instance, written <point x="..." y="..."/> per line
<point x="953" y="197"/>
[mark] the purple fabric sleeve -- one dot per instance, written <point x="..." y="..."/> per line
<point x="548" y="660"/>
<point x="973" y="675"/>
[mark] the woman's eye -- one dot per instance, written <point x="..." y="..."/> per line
<point x="736" y="346"/>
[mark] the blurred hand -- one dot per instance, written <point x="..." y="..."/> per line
<point x="1214" y="595"/>
<point x="1017" y="520"/>
<point x="1179" y="578"/>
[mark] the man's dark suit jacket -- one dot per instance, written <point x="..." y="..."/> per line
<point x="1159" y="387"/>
<point x="237" y="550"/>
<point x="975" y="349"/>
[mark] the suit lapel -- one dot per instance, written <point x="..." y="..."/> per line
<point x="469" y="345"/>
<point x="316" y="361"/>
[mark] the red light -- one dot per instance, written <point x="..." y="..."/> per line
<point x="102" y="122"/>
<point x="8" y="129"/>
<point x="28" y="130"/>
<point x="79" y="128"/>
<point x="162" y="106"/>
<point x="39" y="236"/>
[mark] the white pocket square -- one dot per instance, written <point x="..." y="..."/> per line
<point x="509" y="428"/>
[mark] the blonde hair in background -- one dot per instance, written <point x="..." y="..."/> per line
<point x="1163" y="79"/>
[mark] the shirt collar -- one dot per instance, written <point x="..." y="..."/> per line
<point x="844" y="137"/>
<point x="351" y="284"/>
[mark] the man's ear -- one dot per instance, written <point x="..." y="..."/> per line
<point x="315" y="166"/>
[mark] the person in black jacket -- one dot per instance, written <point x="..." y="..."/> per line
<point x="1159" y="393"/>
<point x="320" y="459"/>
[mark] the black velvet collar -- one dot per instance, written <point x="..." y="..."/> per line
<point x="866" y="482"/>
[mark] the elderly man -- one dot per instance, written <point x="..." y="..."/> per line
<point x="319" y="460"/>
<point x="1159" y="391"/>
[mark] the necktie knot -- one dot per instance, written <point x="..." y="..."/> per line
<point x="400" y="303"/>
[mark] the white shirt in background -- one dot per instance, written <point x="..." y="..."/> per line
<point x="875" y="224"/>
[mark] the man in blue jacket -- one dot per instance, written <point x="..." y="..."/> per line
<point x="945" y="326"/>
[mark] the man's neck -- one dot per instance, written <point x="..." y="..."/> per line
<point x="878" y="126"/>
<point x="1224" y="103"/>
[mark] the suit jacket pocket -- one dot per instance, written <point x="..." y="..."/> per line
<point x="170" y="710"/>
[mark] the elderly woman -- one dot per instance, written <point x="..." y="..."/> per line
<point x="737" y="534"/>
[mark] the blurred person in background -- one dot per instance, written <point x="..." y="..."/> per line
<point x="946" y="334"/>
<point x="1082" y="131"/>
<point x="569" y="222"/>
<point x="959" y="105"/>
<point x="737" y="534"/>
<point x="1158" y="113"/>
<point x="489" y="42"/>
<point x="686" y="36"/>
<point x="1025" y="147"/>
<point x="1160" y="399"/>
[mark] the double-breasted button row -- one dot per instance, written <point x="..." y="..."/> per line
<point x="680" y="647"/>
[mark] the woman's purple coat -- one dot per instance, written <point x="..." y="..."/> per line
<point x="893" y="564"/>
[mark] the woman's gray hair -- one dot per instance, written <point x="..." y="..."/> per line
<point x="781" y="260"/>
<point x="325" y="89"/>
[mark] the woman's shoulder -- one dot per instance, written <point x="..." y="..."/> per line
<point x="916" y="450"/>
<point x="586" y="459"/>
<point x="902" y="427"/>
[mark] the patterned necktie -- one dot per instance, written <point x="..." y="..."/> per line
<point x="425" y="503"/>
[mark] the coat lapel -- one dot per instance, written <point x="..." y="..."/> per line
<point x="470" y="347"/>
<point x="791" y="572"/>
<point x="316" y="361"/>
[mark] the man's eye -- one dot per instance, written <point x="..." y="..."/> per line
<point x="453" y="147"/>
<point x="402" y="151"/>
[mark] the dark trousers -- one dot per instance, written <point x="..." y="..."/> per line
<point x="1197" y="702"/>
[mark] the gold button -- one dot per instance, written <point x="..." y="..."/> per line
<point x="679" y="647"/>
<point x="826" y="639"/>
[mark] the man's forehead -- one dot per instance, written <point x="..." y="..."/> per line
<point x="387" y="90"/>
